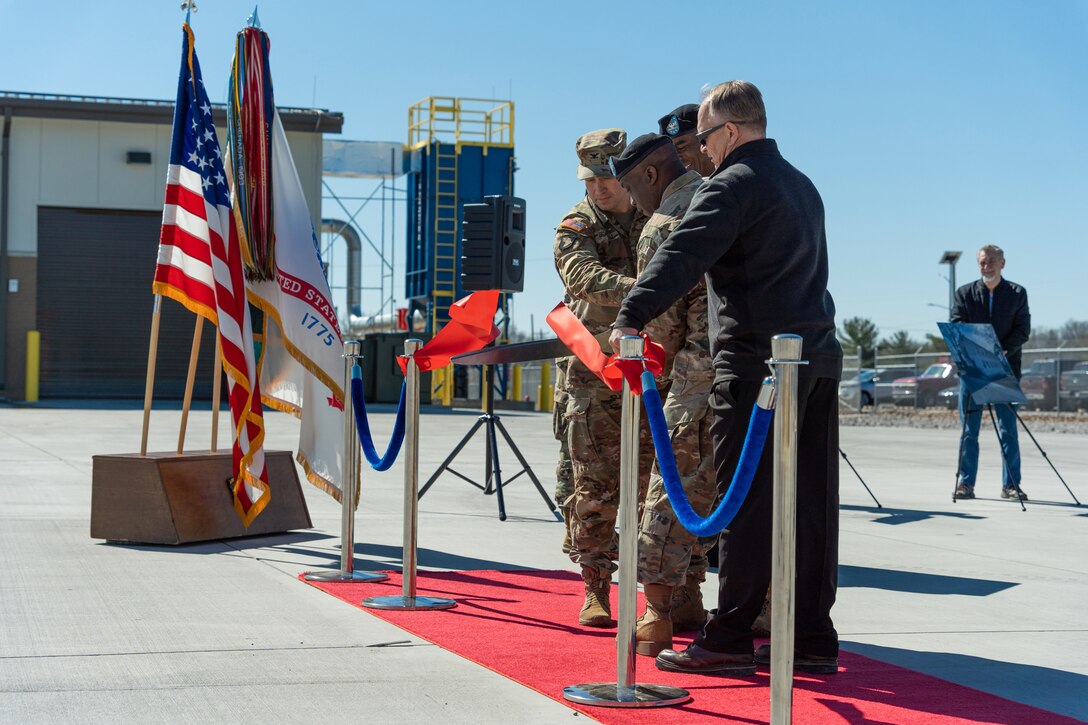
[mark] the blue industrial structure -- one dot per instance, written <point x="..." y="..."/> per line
<point x="459" y="151"/>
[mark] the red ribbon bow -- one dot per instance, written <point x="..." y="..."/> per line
<point x="611" y="369"/>
<point x="470" y="328"/>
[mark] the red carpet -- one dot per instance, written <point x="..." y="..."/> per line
<point x="520" y="624"/>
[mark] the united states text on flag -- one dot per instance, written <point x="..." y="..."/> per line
<point x="200" y="266"/>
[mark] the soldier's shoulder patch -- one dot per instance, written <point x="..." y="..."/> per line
<point x="567" y="243"/>
<point x="575" y="224"/>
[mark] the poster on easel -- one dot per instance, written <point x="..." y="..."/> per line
<point x="981" y="362"/>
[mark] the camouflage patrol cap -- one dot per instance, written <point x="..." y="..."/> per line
<point x="594" y="150"/>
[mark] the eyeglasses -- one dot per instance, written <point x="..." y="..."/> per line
<point x="702" y="136"/>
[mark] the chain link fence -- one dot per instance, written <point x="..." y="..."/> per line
<point x="1054" y="379"/>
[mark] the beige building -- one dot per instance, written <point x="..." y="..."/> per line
<point x="81" y="194"/>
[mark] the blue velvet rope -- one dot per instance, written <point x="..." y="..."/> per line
<point x="666" y="463"/>
<point x="359" y="406"/>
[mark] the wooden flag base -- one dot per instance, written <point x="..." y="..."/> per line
<point x="171" y="498"/>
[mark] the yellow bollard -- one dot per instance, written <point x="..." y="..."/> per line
<point x="545" y="393"/>
<point x="514" y="392"/>
<point x="33" y="359"/>
<point x="483" y="387"/>
<point x="442" y="386"/>
<point x="438" y="386"/>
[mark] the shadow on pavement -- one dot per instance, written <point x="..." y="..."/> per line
<point x="906" y="516"/>
<point x="433" y="559"/>
<point x="1044" y="687"/>
<point x="917" y="582"/>
<point x="219" y="546"/>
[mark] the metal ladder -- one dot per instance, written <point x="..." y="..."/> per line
<point x="444" y="264"/>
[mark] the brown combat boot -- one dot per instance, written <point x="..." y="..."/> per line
<point x="653" y="631"/>
<point x="687" y="606"/>
<point x="596" y="611"/>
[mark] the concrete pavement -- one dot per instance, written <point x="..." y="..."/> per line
<point x="975" y="592"/>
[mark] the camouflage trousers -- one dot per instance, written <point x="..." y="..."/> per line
<point x="593" y="436"/>
<point x="564" y="477"/>
<point x="667" y="552"/>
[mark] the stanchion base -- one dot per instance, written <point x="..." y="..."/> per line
<point x="409" y="603"/>
<point x="611" y="694"/>
<point x="339" y="576"/>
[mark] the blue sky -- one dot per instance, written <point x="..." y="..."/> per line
<point x="926" y="125"/>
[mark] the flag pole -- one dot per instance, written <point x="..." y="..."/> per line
<point x="149" y="386"/>
<point x="189" y="381"/>
<point x="217" y="381"/>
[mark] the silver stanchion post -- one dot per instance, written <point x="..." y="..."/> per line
<point x="408" y="598"/>
<point x="786" y="356"/>
<point x="349" y="491"/>
<point x="624" y="692"/>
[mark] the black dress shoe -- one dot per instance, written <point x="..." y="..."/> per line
<point x="697" y="660"/>
<point x="803" y="663"/>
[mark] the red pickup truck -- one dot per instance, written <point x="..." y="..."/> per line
<point x="921" y="390"/>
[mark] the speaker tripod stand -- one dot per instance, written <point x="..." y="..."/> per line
<point x="493" y="480"/>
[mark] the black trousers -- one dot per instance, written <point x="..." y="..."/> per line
<point x="745" y="549"/>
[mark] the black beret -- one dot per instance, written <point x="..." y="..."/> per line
<point x="636" y="151"/>
<point x="680" y="121"/>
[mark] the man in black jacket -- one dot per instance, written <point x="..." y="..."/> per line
<point x="1004" y="305"/>
<point x="756" y="229"/>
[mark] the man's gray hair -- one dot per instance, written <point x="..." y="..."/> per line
<point x="737" y="101"/>
<point x="992" y="249"/>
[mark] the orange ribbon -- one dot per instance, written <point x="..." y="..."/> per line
<point x="611" y="369"/>
<point x="470" y="328"/>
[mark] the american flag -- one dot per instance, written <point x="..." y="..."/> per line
<point x="200" y="266"/>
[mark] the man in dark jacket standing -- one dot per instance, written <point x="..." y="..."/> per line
<point x="1004" y="305"/>
<point x="756" y="229"/>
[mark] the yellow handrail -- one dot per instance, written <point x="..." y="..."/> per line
<point x="461" y="121"/>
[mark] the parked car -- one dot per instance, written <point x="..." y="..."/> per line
<point x="1040" y="382"/>
<point x="922" y="390"/>
<point x="871" y="385"/>
<point x="949" y="398"/>
<point x="1073" y="387"/>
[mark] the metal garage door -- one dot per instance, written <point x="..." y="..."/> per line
<point x="95" y="269"/>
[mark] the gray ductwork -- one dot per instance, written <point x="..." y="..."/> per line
<point x="355" y="259"/>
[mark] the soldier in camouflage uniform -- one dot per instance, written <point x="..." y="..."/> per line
<point x="651" y="171"/>
<point x="594" y="255"/>
<point x="680" y="127"/>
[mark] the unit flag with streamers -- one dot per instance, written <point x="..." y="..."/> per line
<point x="301" y="355"/>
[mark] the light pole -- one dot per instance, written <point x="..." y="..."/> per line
<point x="950" y="258"/>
